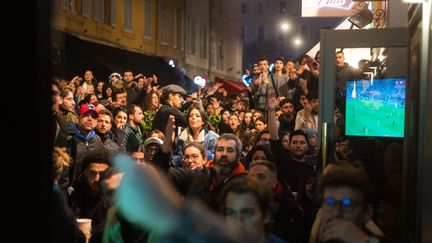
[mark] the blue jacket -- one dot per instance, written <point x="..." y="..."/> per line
<point x="208" y="138"/>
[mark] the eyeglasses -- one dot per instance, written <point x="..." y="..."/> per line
<point x="346" y="204"/>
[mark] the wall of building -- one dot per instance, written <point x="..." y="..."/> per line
<point x="109" y="27"/>
<point x="217" y="49"/>
<point x="277" y="42"/>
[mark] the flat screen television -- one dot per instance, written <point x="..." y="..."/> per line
<point x="375" y="108"/>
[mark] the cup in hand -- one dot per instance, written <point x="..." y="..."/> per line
<point x="84" y="225"/>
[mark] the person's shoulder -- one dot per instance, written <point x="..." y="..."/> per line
<point x="212" y="134"/>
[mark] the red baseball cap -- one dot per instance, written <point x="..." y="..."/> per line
<point x="87" y="107"/>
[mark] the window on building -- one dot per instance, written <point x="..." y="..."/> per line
<point x="220" y="53"/>
<point x="245" y="8"/>
<point x="203" y="42"/>
<point x="86" y="8"/>
<point x="175" y="25"/>
<point x="147" y="19"/>
<point x="182" y="30"/>
<point x="77" y="5"/>
<point x="128" y="15"/>
<point x="68" y="5"/>
<point x="260" y="7"/>
<point x="213" y="50"/>
<point x="191" y="33"/>
<point x="260" y="33"/>
<point x="97" y="10"/>
<point x="282" y="7"/>
<point x="109" y="12"/>
<point x="164" y="22"/>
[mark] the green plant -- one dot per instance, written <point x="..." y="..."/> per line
<point x="215" y="120"/>
<point x="147" y="122"/>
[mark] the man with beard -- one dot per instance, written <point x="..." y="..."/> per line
<point x="207" y="183"/>
<point x="103" y="129"/>
<point x="287" y="119"/>
<point x="87" y="200"/>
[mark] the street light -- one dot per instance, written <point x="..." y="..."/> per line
<point x="297" y="41"/>
<point x="285" y="26"/>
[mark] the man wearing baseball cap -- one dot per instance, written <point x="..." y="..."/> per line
<point x="85" y="139"/>
<point x="172" y="97"/>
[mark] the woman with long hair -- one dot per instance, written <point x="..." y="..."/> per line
<point x="199" y="130"/>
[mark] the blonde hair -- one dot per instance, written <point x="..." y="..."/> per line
<point x="61" y="160"/>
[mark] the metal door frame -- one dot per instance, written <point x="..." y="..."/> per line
<point x="332" y="39"/>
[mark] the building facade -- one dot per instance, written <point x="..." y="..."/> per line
<point x="179" y="31"/>
<point x="275" y="28"/>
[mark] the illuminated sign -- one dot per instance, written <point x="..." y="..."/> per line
<point x="171" y="63"/>
<point x="201" y="82"/>
<point x="330" y="8"/>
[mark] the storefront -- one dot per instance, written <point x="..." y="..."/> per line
<point x="73" y="56"/>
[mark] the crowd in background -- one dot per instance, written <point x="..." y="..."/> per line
<point x="251" y="157"/>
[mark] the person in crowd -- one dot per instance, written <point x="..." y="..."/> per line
<point x="259" y="152"/>
<point x="87" y="199"/>
<point x="260" y="124"/>
<point x="133" y="134"/>
<point x="293" y="166"/>
<point x="247" y="121"/>
<point x="224" y="122"/>
<point x="279" y="79"/>
<point x="148" y="201"/>
<point x="119" y="98"/>
<point x="234" y="124"/>
<point x="103" y="129"/>
<point x="346" y="209"/>
<point x="344" y="72"/>
<point x="246" y="202"/>
<point x="85" y="139"/>
<point x="194" y="156"/>
<point x="262" y="138"/>
<point x="206" y="184"/>
<point x="198" y="130"/>
<point x="116" y="81"/>
<point x="67" y="106"/>
<point x="131" y="87"/>
<point x="172" y="96"/>
<point x="287" y="215"/>
<point x="285" y="139"/>
<point x="120" y="120"/>
<point x="63" y="220"/>
<point x="99" y="90"/>
<point x="292" y="74"/>
<point x="288" y="117"/>
<point x="138" y="156"/>
<point x="62" y="161"/>
<point x="151" y="102"/>
<point x="154" y="155"/>
<point x="308" y="117"/>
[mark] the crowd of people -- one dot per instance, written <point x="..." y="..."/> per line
<point x="155" y="164"/>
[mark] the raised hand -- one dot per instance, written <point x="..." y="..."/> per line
<point x="303" y="85"/>
<point x="145" y="198"/>
<point x="273" y="103"/>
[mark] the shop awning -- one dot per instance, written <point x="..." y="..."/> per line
<point x="231" y="86"/>
<point x="78" y="55"/>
